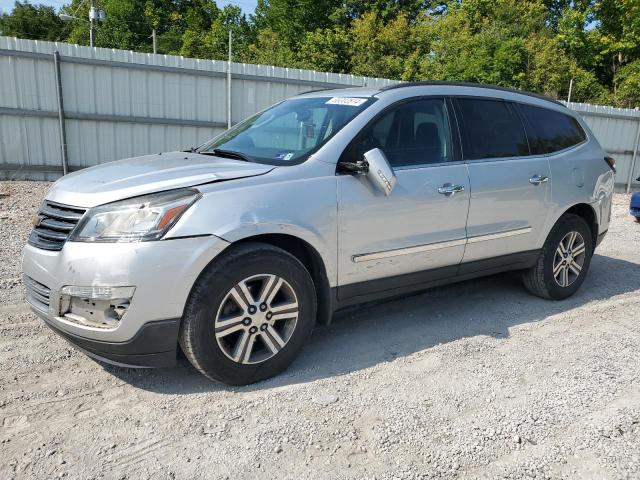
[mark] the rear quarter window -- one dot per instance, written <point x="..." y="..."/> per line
<point x="551" y="131"/>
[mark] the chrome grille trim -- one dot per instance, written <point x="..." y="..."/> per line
<point x="38" y="295"/>
<point x="54" y="224"/>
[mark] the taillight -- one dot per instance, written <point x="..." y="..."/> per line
<point x="611" y="162"/>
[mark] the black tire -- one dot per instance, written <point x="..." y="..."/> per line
<point x="540" y="279"/>
<point x="638" y="219"/>
<point x="197" y="337"/>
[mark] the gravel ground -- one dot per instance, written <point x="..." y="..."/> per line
<point x="475" y="380"/>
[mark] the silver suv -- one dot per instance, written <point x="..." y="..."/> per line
<point x="235" y="249"/>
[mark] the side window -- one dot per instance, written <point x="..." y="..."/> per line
<point x="551" y="131"/>
<point x="492" y="129"/>
<point x="413" y="133"/>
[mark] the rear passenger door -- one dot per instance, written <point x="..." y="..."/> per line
<point x="510" y="188"/>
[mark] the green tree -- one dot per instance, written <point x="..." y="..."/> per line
<point x="290" y="20"/>
<point x="602" y="35"/>
<point x="217" y="39"/>
<point x="37" y="22"/>
<point x="628" y="85"/>
<point x="197" y="17"/>
<point x="386" y="10"/>
<point x="326" y="50"/>
<point x="380" y="49"/>
<point x="180" y="24"/>
<point x="538" y="45"/>
<point x="270" y="49"/>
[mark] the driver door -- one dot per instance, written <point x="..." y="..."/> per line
<point x="417" y="234"/>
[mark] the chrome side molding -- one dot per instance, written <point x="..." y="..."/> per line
<point x="366" y="257"/>
<point x="496" y="236"/>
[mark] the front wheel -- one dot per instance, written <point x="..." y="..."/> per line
<point x="249" y="314"/>
<point x="564" y="260"/>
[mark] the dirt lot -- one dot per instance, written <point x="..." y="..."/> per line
<point x="477" y="380"/>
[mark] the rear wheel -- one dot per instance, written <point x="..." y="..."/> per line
<point x="248" y="315"/>
<point x="564" y="260"/>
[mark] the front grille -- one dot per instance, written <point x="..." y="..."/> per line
<point x="54" y="224"/>
<point x="38" y="294"/>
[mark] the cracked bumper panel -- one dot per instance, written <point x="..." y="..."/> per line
<point x="162" y="273"/>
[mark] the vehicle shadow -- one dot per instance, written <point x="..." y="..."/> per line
<point x="364" y="336"/>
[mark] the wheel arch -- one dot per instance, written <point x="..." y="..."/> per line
<point x="310" y="258"/>
<point x="588" y="214"/>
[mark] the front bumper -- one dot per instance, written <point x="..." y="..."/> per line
<point x="162" y="273"/>
<point x="155" y="345"/>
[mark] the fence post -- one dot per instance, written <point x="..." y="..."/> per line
<point x="635" y="156"/>
<point x="63" y="131"/>
<point x="229" y="84"/>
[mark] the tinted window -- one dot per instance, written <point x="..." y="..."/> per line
<point x="492" y="129"/>
<point x="550" y="130"/>
<point x="413" y="133"/>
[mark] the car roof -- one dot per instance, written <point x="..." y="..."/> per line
<point x="447" y="88"/>
<point x="469" y="85"/>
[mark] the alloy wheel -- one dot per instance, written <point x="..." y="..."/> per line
<point x="256" y="319"/>
<point x="569" y="259"/>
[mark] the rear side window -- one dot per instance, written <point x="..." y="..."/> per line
<point x="551" y="131"/>
<point x="492" y="129"/>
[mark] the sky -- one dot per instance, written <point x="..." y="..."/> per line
<point x="247" y="5"/>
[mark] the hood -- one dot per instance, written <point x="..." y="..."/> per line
<point x="147" y="174"/>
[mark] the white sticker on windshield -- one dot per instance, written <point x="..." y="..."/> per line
<point x="349" y="101"/>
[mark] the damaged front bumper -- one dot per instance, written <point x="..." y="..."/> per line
<point x="120" y="302"/>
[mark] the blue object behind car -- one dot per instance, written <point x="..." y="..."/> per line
<point x="634" y="208"/>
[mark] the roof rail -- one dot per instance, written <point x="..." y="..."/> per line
<point x="467" y="84"/>
<point x="329" y="88"/>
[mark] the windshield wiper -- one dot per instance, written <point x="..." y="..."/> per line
<point x="219" y="152"/>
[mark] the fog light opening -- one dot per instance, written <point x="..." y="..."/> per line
<point x="99" y="307"/>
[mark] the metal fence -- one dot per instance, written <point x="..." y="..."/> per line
<point x="618" y="131"/>
<point x="106" y="104"/>
<point x="114" y="104"/>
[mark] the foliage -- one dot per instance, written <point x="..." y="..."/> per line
<point x="537" y="45"/>
<point x="326" y="49"/>
<point x="37" y="22"/>
<point x="628" y="85"/>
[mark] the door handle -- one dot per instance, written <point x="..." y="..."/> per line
<point x="449" y="189"/>
<point x="538" y="179"/>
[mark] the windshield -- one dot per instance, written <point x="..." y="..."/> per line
<point x="287" y="132"/>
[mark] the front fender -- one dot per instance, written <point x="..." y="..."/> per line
<point x="249" y="230"/>
<point x="304" y="208"/>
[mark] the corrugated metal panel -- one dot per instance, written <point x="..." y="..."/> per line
<point x="142" y="90"/>
<point x="617" y="131"/>
<point x="109" y="82"/>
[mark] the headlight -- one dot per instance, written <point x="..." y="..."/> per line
<point x="137" y="219"/>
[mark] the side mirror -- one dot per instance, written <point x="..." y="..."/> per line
<point x="380" y="172"/>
